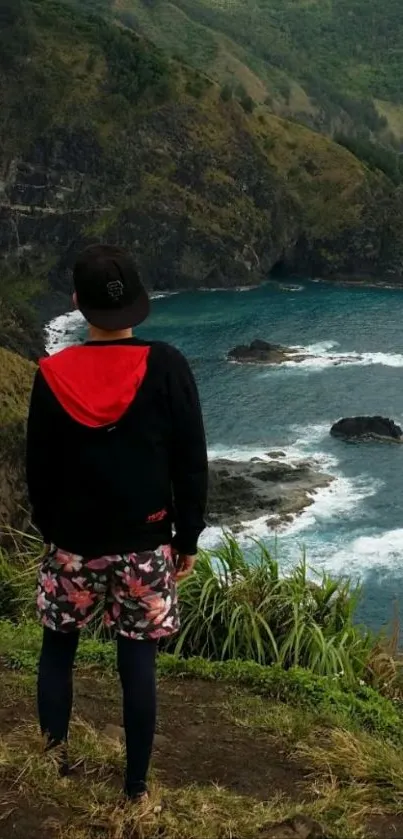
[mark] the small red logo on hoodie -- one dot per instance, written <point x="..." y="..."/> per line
<point x="157" y="516"/>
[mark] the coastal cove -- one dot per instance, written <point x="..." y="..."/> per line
<point x="353" y="342"/>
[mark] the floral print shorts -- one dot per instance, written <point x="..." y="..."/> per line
<point x="135" y="593"/>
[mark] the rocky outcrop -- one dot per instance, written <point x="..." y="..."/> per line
<point x="241" y="492"/>
<point x="261" y="352"/>
<point x="353" y="429"/>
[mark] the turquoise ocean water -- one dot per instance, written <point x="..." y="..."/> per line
<point x="353" y="338"/>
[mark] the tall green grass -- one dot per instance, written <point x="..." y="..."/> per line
<point x="236" y="606"/>
<point x="20" y="557"/>
<point x="241" y="607"/>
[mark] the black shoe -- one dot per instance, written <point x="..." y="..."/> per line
<point x="138" y="798"/>
<point x="58" y="752"/>
<point x="137" y="793"/>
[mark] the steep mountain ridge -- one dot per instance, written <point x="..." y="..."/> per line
<point x="102" y="137"/>
<point x="333" y="65"/>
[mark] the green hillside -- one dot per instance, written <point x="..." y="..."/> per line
<point x="335" y="64"/>
<point x="103" y="136"/>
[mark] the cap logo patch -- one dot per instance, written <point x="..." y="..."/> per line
<point x="115" y="289"/>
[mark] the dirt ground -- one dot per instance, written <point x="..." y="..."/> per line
<point x="197" y="744"/>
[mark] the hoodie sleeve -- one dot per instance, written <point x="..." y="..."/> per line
<point x="189" y="465"/>
<point x="38" y="466"/>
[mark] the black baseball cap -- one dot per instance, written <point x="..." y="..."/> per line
<point x="110" y="293"/>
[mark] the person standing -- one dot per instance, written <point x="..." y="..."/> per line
<point x="117" y="478"/>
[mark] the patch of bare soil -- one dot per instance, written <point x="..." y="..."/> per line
<point x="196" y="744"/>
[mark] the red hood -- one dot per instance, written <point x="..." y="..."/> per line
<point x="96" y="384"/>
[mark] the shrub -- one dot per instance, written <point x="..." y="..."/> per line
<point x="374" y="155"/>
<point x="330" y="697"/>
<point x="16" y="34"/>
<point x="361" y="707"/>
<point x="19" y="563"/>
<point x="196" y="87"/>
<point x="248" y="104"/>
<point x="238" y="607"/>
<point x="226" y="93"/>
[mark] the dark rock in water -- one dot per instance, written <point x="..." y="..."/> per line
<point x="276" y="454"/>
<point x="367" y="428"/>
<point x="261" y="352"/>
<point x="242" y="492"/>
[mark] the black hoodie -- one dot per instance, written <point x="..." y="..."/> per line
<point x="116" y="451"/>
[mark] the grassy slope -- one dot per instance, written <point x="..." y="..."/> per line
<point x="16" y="377"/>
<point x="266" y="760"/>
<point x="356" y="708"/>
<point x="207" y="124"/>
<point x="350" y="48"/>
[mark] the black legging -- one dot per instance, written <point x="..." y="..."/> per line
<point x="136" y="664"/>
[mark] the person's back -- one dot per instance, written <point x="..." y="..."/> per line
<point x="117" y="474"/>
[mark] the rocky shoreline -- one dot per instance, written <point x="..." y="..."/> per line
<point x="273" y="487"/>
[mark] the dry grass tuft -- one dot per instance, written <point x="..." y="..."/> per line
<point x="349" y="779"/>
<point x="372" y="767"/>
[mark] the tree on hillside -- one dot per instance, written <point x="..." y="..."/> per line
<point x="11" y="11"/>
<point x="248" y="104"/>
<point x="374" y="155"/>
<point x="16" y="32"/>
<point x="226" y="93"/>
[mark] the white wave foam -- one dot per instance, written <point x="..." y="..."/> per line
<point x="336" y="501"/>
<point x="310" y="435"/>
<point x="317" y="357"/>
<point x="255" y="529"/>
<point x="307" y="445"/>
<point x="158" y="295"/>
<point x="320" y="347"/>
<point x="291" y="288"/>
<point x="240" y="289"/>
<point x="339" y="500"/>
<point x="62" y="331"/>
<point x="304" y="448"/>
<point x="241" y="454"/>
<point x="366" y="554"/>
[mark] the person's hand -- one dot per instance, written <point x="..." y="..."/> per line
<point x="184" y="565"/>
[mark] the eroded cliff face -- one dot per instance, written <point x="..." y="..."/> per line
<point x="196" y="212"/>
<point x="195" y="215"/>
<point x="104" y="140"/>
